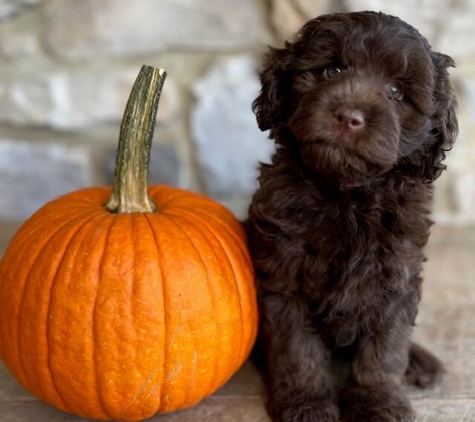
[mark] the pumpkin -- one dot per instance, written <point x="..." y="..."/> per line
<point x="145" y="304"/>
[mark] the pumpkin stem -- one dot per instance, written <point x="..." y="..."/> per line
<point x="130" y="191"/>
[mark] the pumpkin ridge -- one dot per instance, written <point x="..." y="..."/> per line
<point x="134" y="279"/>
<point x="207" y="282"/>
<point x="22" y="295"/>
<point x="224" y="225"/>
<point x="21" y="366"/>
<point x="244" y="254"/>
<point x="38" y="226"/>
<point x="243" y="251"/>
<point x="142" y="388"/>
<point x="93" y="319"/>
<point x="165" y="331"/>
<point x="237" y="284"/>
<point x="54" y="280"/>
<point x="231" y="233"/>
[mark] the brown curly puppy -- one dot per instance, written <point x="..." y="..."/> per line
<point x="362" y="113"/>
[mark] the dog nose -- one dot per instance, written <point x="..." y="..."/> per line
<point x="350" y="119"/>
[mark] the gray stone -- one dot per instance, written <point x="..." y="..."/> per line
<point x="74" y="100"/>
<point x="11" y="7"/>
<point x="228" y="142"/>
<point x="92" y="28"/>
<point x="31" y="175"/>
<point x="164" y="165"/>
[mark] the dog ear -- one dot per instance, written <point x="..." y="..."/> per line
<point x="445" y="121"/>
<point x="271" y="104"/>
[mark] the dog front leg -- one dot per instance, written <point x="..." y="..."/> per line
<point x="297" y="364"/>
<point x="374" y="392"/>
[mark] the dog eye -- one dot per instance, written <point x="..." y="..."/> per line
<point x="333" y="72"/>
<point x="395" y="92"/>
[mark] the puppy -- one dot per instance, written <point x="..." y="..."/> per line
<point x="362" y="112"/>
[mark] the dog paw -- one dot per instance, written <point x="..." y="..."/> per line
<point x="424" y="369"/>
<point x="376" y="404"/>
<point x="311" y="411"/>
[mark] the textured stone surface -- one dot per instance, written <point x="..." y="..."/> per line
<point x="448" y="19"/>
<point x="445" y="325"/>
<point x="465" y="192"/>
<point x="447" y="24"/>
<point x="453" y="38"/>
<point x="228" y="142"/>
<point x="449" y="273"/>
<point x="31" y="175"/>
<point x="19" y="44"/>
<point x="464" y="151"/>
<point x="71" y="100"/>
<point x="215" y="409"/>
<point x="451" y="334"/>
<point x="164" y="165"/>
<point x="288" y="16"/>
<point x="10" y="7"/>
<point x="241" y="410"/>
<point x="86" y="28"/>
<point x="425" y="20"/>
<point x="445" y="411"/>
<point x="54" y="53"/>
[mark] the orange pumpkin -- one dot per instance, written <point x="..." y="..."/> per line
<point x="119" y="312"/>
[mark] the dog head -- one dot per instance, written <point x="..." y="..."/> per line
<point x="359" y="94"/>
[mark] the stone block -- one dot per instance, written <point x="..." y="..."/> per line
<point x="31" y="175"/>
<point x="11" y="7"/>
<point x="75" y="100"/>
<point x="92" y="28"/>
<point x="19" y="44"/>
<point x="228" y="142"/>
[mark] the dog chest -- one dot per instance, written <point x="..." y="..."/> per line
<point x="362" y="276"/>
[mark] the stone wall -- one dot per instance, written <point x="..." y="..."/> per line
<point x="67" y="66"/>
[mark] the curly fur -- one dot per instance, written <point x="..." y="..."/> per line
<point x="338" y="224"/>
